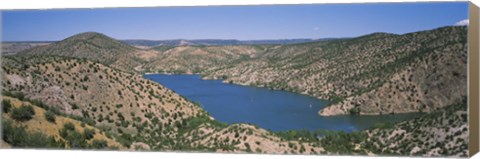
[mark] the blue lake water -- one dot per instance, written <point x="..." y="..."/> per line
<point x="271" y="109"/>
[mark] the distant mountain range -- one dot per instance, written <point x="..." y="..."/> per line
<point x="15" y="46"/>
<point x="209" y="42"/>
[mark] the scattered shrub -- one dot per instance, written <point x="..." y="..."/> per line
<point x="76" y="140"/>
<point x="50" y="116"/>
<point x="66" y="128"/>
<point x="19" y="95"/>
<point x="6" y="106"/>
<point x="119" y="105"/>
<point x="125" y="140"/>
<point x="355" y="111"/>
<point x="74" y="106"/>
<point x="88" y="133"/>
<point x="99" y="144"/>
<point x="17" y="136"/>
<point x="23" y="113"/>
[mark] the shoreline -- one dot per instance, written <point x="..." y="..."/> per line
<point x="329" y="103"/>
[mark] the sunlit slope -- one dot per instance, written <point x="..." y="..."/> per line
<point x="39" y="132"/>
<point x="138" y="113"/>
<point x="95" y="47"/>
<point x="378" y="73"/>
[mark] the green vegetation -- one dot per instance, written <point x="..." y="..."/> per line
<point x="125" y="139"/>
<point x="193" y="123"/>
<point x="384" y="125"/>
<point x="17" y="136"/>
<point x="342" y="143"/>
<point x="119" y="105"/>
<point x="75" y="139"/>
<point x="18" y="95"/>
<point x="50" y="116"/>
<point x="48" y="108"/>
<point x="6" y="106"/>
<point x="67" y="127"/>
<point x="74" y="106"/>
<point x="88" y="133"/>
<point x="342" y="71"/>
<point x="301" y="135"/>
<point x="23" y="113"/>
<point x="99" y="144"/>
<point x="336" y="99"/>
<point x="355" y="111"/>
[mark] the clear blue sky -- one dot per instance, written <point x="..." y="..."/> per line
<point x="232" y="22"/>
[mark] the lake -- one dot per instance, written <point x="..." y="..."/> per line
<point x="270" y="109"/>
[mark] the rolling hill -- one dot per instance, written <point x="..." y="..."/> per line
<point x="96" y="80"/>
<point x="443" y="132"/>
<point x="379" y="73"/>
<point x="95" y="47"/>
<point x="136" y="112"/>
<point x="15" y="47"/>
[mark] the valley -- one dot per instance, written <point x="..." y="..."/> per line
<point x="96" y="81"/>
<point x="374" y="74"/>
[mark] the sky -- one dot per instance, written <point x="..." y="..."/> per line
<point x="233" y="22"/>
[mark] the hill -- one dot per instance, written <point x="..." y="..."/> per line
<point x="138" y="113"/>
<point x="93" y="79"/>
<point x="373" y="74"/>
<point x="15" y="47"/>
<point x="440" y="133"/>
<point x="379" y="73"/>
<point x="95" y="47"/>
<point x="197" y="59"/>
<point x="78" y="87"/>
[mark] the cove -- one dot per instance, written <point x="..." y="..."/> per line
<point x="270" y="109"/>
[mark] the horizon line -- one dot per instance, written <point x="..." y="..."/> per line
<point x="39" y="41"/>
